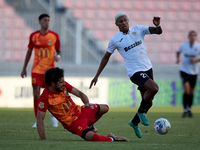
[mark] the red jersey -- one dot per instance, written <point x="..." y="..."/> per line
<point x="60" y="105"/>
<point x="44" y="46"/>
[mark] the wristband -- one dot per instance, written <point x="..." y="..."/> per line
<point x="157" y="26"/>
<point x="58" y="56"/>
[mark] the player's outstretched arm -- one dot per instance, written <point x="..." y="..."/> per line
<point x="157" y="29"/>
<point x="40" y="125"/>
<point x="27" y="58"/>
<point x="103" y="63"/>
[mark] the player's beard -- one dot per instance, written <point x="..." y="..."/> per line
<point x="59" y="89"/>
<point x="46" y="28"/>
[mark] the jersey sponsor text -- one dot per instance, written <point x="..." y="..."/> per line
<point x="133" y="45"/>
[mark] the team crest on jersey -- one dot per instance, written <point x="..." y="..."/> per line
<point x="41" y="105"/>
<point x="49" y="42"/>
<point x="134" y="33"/>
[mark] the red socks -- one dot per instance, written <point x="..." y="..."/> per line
<point x="35" y="107"/>
<point x="99" y="138"/>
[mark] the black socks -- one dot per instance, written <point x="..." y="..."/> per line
<point x="187" y="100"/>
<point x="144" y="107"/>
<point x="190" y="100"/>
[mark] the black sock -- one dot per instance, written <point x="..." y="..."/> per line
<point x="149" y="106"/>
<point x="136" y="120"/>
<point x="190" y="100"/>
<point x="143" y="106"/>
<point x="185" y="100"/>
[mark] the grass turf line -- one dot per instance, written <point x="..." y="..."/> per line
<point x="16" y="131"/>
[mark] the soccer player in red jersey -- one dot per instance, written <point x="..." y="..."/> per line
<point x="44" y="42"/>
<point x="76" y="119"/>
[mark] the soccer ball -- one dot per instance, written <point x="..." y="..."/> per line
<point x="162" y="126"/>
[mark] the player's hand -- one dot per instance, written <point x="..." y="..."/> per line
<point x="23" y="73"/>
<point x="156" y="21"/>
<point x="194" y="60"/>
<point x="56" y="58"/>
<point x="94" y="81"/>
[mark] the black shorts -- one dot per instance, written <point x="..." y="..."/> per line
<point x="141" y="77"/>
<point x="188" y="78"/>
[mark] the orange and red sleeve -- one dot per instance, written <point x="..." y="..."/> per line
<point x="43" y="103"/>
<point x="57" y="44"/>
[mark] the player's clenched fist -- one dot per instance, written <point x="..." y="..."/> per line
<point x="23" y="73"/>
<point x="156" y="21"/>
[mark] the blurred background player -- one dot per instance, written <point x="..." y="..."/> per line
<point x="130" y="44"/>
<point x="74" y="118"/>
<point x="44" y="42"/>
<point x="189" y="70"/>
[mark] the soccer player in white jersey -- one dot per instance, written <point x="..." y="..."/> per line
<point x="189" y="70"/>
<point x="129" y="41"/>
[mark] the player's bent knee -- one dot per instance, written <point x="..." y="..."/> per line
<point x="87" y="134"/>
<point x="107" y="107"/>
<point x="104" y="108"/>
<point x="155" y="89"/>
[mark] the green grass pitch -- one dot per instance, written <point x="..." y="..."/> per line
<point x="16" y="132"/>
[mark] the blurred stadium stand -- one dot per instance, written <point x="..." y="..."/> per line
<point x="85" y="27"/>
<point x="178" y="17"/>
<point x="22" y="18"/>
<point x="14" y="34"/>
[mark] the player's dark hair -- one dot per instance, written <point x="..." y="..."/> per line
<point x="53" y="75"/>
<point x="42" y="16"/>
<point x="192" y="31"/>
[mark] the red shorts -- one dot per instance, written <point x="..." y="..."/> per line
<point x="85" y="119"/>
<point x="38" y="79"/>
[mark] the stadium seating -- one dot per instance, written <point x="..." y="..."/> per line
<point x="16" y="34"/>
<point x="177" y="19"/>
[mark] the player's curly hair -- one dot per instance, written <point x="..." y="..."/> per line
<point x="53" y="75"/>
